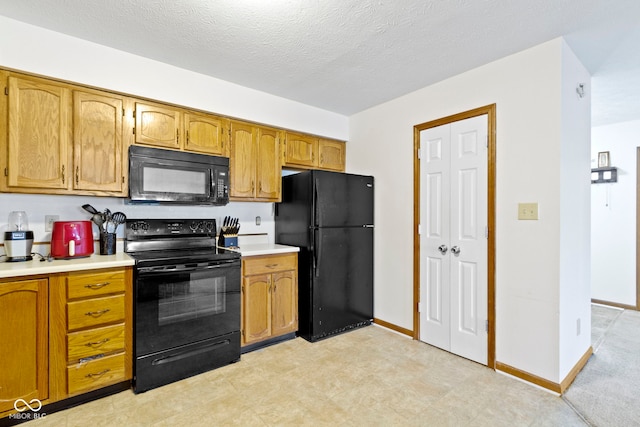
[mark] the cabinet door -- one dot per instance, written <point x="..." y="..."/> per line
<point x="39" y="134"/>
<point x="331" y="155"/>
<point x="284" y="305"/>
<point x="24" y="371"/>
<point x="300" y="150"/>
<point x="157" y="125"/>
<point x="204" y="134"/>
<point x="256" y="308"/>
<point x="97" y="142"/>
<point x="269" y="165"/>
<point x="242" y="164"/>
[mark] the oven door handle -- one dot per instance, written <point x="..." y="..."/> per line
<point x="156" y="270"/>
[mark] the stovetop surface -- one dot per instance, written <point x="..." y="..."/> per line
<point x="185" y="255"/>
<point x="174" y="241"/>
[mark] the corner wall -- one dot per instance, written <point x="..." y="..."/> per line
<point x="526" y="88"/>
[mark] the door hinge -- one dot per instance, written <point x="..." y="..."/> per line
<point x="486" y="232"/>
<point x="6" y="90"/>
<point x="486" y="325"/>
<point x="133" y="130"/>
<point x="420" y="307"/>
<point x="419" y="228"/>
<point x="6" y="172"/>
<point x="487" y="141"/>
<point x="419" y="153"/>
<point x="123" y="112"/>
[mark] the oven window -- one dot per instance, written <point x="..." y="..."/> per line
<point x="179" y="302"/>
<point x="173" y="180"/>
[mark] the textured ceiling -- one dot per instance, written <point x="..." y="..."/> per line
<point x="349" y="55"/>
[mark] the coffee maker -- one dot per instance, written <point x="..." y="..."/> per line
<point x="18" y="240"/>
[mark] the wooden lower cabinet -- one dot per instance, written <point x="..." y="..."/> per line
<point x="24" y="355"/>
<point x="64" y="334"/>
<point x="92" y="343"/>
<point x="269" y="297"/>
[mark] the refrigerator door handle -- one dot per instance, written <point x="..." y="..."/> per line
<point x="315" y="203"/>
<point x="317" y="253"/>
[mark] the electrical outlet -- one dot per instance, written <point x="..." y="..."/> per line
<point x="49" y="220"/>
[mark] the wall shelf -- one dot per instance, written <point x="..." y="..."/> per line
<point x="604" y="175"/>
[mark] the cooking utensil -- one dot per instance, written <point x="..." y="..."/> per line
<point x="90" y="209"/>
<point x="118" y="218"/>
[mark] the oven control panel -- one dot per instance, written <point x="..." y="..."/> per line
<point x="164" y="227"/>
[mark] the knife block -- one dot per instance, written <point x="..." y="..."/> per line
<point x="228" y="241"/>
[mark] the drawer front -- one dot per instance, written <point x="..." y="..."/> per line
<point x="83" y="285"/>
<point x="94" y="312"/>
<point x="268" y="264"/>
<point x="95" y="374"/>
<point x="95" y="341"/>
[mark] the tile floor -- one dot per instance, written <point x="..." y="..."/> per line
<point x="367" y="377"/>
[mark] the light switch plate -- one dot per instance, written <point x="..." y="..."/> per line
<point x="527" y="211"/>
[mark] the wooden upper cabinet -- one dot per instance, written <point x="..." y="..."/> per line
<point x="308" y="152"/>
<point x="242" y="164"/>
<point x="255" y="163"/>
<point x="98" y="142"/>
<point x="24" y="326"/>
<point x="38" y="154"/>
<point x="204" y="134"/>
<point x="300" y="150"/>
<point x="331" y="155"/>
<point x="268" y="165"/>
<point x="158" y="125"/>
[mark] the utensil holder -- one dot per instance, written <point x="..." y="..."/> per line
<point x="107" y="243"/>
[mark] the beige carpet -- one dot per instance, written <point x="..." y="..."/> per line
<point x="607" y="391"/>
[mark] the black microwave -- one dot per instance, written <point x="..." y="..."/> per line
<point x="177" y="177"/>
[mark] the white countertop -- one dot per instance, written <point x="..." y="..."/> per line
<point x="26" y="268"/>
<point x="264" y="249"/>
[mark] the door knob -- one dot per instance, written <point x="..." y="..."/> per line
<point x="443" y="249"/>
<point x="455" y="250"/>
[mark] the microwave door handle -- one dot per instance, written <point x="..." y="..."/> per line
<point x="212" y="187"/>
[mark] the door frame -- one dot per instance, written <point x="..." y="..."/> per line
<point x="490" y="111"/>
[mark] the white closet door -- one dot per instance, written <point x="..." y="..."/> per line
<point x="453" y="290"/>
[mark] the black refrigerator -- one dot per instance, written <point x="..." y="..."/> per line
<point x="329" y="216"/>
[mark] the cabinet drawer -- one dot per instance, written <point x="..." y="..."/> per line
<point x="269" y="264"/>
<point x="95" y="341"/>
<point x="82" y="285"/>
<point x="95" y="374"/>
<point x="94" y="312"/>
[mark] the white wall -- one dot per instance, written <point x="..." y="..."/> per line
<point x="575" y="219"/>
<point x="526" y="88"/>
<point x="32" y="49"/>
<point x="613" y="210"/>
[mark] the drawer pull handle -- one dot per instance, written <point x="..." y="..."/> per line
<point x="271" y="265"/>
<point x="97" y="313"/>
<point x="97" y="285"/>
<point x="97" y="343"/>
<point x="97" y="374"/>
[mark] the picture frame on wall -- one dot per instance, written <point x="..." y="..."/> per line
<point x="603" y="159"/>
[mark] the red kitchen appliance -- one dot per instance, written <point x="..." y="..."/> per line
<point x="71" y="239"/>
